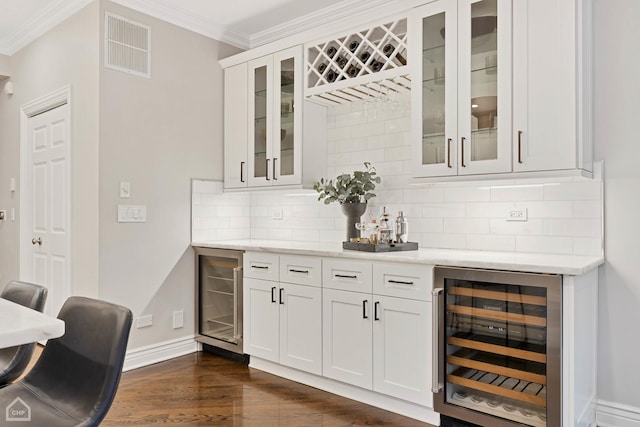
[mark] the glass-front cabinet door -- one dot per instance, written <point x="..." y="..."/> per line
<point x="434" y="91"/>
<point x="484" y="82"/>
<point x="274" y="122"/>
<point x="461" y="84"/>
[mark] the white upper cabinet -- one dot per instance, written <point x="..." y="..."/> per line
<point x="275" y="119"/>
<point x="550" y="86"/>
<point x="461" y="84"/>
<point x="500" y="86"/>
<point x="235" y="126"/>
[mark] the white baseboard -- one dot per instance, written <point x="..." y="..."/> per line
<point x="150" y="354"/>
<point x="611" y="414"/>
<point x="388" y="403"/>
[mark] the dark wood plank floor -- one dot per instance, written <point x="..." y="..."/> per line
<point x="203" y="389"/>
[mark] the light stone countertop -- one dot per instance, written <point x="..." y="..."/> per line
<point x="572" y="265"/>
<point x="22" y="325"/>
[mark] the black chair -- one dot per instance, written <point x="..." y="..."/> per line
<point x="76" y="378"/>
<point x="14" y="360"/>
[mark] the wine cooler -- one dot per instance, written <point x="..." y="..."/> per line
<point x="219" y="298"/>
<point x="497" y="347"/>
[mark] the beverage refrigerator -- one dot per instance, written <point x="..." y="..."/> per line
<point x="497" y="347"/>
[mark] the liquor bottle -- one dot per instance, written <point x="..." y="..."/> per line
<point x="388" y="50"/>
<point x="386" y="231"/>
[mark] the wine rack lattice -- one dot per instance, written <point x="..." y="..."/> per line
<point x="365" y="64"/>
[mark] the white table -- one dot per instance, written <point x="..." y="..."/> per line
<point x="21" y="325"/>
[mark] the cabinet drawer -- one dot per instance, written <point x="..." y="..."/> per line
<point x="413" y="281"/>
<point x="302" y="270"/>
<point x="262" y="265"/>
<point x="347" y="275"/>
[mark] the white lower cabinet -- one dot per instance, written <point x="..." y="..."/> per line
<point x="402" y="349"/>
<point x="379" y="343"/>
<point x="347" y="340"/>
<point x="282" y="323"/>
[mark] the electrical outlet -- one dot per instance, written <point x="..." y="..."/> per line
<point x="178" y="319"/>
<point x="277" y="214"/>
<point x="517" y="215"/>
<point x="144" y="321"/>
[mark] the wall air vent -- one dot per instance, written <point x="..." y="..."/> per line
<point x="127" y="45"/>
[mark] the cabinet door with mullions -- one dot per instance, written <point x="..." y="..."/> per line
<point x="433" y="29"/>
<point x="484" y="84"/>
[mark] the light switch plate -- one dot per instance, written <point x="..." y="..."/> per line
<point x="125" y="190"/>
<point x="132" y="213"/>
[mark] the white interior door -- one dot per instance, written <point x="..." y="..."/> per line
<point x="47" y="192"/>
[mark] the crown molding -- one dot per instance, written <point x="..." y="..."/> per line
<point x="187" y="21"/>
<point x="57" y="12"/>
<point x="328" y="15"/>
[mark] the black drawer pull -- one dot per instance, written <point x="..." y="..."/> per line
<point x="364" y="309"/>
<point x="273" y="294"/>
<point x="345" y="276"/>
<point x="260" y="267"/>
<point x="281" y="299"/>
<point x="375" y="310"/>
<point x="400" y="282"/>
<point x="293" y="270"/>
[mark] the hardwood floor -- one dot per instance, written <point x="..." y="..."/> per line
<point x="204" y="389"/>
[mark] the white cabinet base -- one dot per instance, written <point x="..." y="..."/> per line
<point x="418" y="412"/>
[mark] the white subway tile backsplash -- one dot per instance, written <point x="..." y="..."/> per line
<point x="489" y="209"/>
<point x="572" y="227"/>
<point x="516" y="193"/>
<point x="520" y="228"/>
<point x="587" y="246"/>
<point x="491" y="242"/>
<point x="587" y="190"/>
<point x="547" y="209"/>
<point x="467" y="194"/>
<point x="466" y="225"/>
<point x="545" y="244"/>
<point x="587" y="209"/>
<point x="443" y="210"/>
<point x="564" y="215"/>
<point x="442" y="240"/>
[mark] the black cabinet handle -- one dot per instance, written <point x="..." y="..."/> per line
<point x="400" y="282"/>
<point x="273" y="294"/>
<point x="274" y="168"/>
<point x="293" y="270"/>
<point x="375" y="310"/>
<point x="266" y="173"/>
<point x="260" y="267"/>
<point x="241" y="171"/>
<point x="281" y="299"/>
<point x="364" y="309"/>
<point x="344" y="276"/>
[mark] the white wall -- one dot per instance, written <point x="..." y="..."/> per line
<point x="66" y="55"/>
<point x="157" y="134"/>
<point x="616" y="91"/>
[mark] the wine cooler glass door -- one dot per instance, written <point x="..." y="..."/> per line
<point x="501" y="346"/>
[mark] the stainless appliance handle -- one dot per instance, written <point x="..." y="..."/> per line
<point x="237" y="273"/>
<point x="435" y="344"/>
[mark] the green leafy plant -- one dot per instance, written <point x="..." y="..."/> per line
<point x="355" y="188"/>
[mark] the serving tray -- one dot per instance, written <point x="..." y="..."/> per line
<point x="380" y="247"/>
